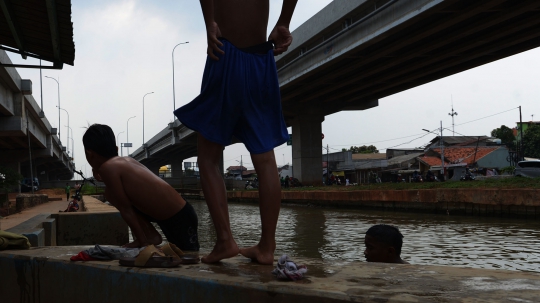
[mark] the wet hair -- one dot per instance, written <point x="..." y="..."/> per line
<point x="387" y="234"/>
<point x="100" y="139"/>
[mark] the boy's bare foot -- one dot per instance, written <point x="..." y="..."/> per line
<point x="258" y="254"/>
<point x="155" y="239"/>
<point x="222" y="250"/>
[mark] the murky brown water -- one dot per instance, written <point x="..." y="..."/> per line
<point x="338" y="235"/>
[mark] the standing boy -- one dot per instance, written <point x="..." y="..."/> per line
<point x="240" y="97"/>
<point x="68" y="191"/>
<point x="139" y="195"/>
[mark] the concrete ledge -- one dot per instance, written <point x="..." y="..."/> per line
<point x="42" y="275"/>
<point x="494" y="202"/>
<point x="24" y="201"/>
<point x="35" y="230"/>
<point x="49" y="226"/>
<point x="86" y="228"/>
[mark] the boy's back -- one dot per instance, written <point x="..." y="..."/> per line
<point x="146" y="191"/>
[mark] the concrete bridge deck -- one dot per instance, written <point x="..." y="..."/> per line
<point x="17" y="108"/>
<point x="45" y="274"/>
<point x="354" y="52"/>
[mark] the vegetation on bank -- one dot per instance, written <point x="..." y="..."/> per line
<point x="502" y="183"/>
<point x="92" y="190"/>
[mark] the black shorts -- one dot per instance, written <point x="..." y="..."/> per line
<point x="180" y="229"/>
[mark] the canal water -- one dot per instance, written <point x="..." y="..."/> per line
<point x="337" y="235"/>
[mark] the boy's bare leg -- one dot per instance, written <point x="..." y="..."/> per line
<point x="269" y="205"/>
<point x="208" y="156"/>
<point x="152" y="235"/>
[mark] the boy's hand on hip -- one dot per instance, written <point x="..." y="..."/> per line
<point x="212" y="35"/>
<point x="282" y="39"/>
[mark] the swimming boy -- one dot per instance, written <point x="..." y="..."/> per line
<point x="383" y="244"/>
<point x="139" y="195"/>
<point x="240" y="97"/>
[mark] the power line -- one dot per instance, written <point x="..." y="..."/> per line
<point x="379" y="141"/>
<point x="488" y="116"/>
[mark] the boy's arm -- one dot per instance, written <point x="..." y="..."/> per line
<point x="280" y="34"/>
<point x="117" y="197"/>
<point x="212" y="29"/>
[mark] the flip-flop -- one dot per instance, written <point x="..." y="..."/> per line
<point x="171" y="250"/>
<point x="151" y="256"/>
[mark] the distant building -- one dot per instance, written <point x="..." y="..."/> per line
<point x="525" y="125"/>
<point x="396" y="152"/>
<point x="456" y="158"/>
<point x="285" y="170"/>
<point x="235" y="172"/>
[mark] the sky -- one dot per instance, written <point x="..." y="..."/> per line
<point x="123" y="51"/>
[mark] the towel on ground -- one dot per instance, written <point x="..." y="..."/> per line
<point x="101" y="253"/>
<point x="287" y="269"/>
<point x="13" y="241"/>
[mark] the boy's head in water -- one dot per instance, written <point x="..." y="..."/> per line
<point x="99" y="144"/>
<point x="383" y="244"/>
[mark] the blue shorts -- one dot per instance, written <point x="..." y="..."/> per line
<point x="239" y="98"/>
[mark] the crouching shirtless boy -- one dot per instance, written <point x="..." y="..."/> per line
<point x="139" y="195"/>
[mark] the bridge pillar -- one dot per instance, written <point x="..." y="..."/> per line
<point x="176" y="168"/>
<point x="307" y="149"/>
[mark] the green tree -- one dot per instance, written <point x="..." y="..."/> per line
<point x="506" y="135"/>
<point x="531" y="142"/>
<point x="362" y="149"/>
<point x="8" y="179"/>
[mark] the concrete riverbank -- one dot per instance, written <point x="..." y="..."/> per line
<point x="487" y="201"/>
<point x="45" y="274"/>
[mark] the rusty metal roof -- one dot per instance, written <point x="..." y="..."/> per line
<point x="38" y="28"/>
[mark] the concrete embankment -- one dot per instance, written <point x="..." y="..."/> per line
<point x="494" y="202"/>
<point x="45" y="274"/>
<point x="99" y="223"/>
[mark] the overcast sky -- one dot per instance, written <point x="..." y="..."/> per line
<point x="123" y="51"/>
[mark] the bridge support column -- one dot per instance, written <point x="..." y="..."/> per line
<point x="307" y="149"/>
<point x="176" y="168"/>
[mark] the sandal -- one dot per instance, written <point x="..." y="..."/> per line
<point x="171" y="250"/>
<point x="151" y="256"/>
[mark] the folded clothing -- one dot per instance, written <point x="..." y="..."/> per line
<point x="287" y="269"/>
<point x="101" y="253"/>
<point x="13" y="241"/>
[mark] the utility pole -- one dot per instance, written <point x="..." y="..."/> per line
<point x="521" y="136"/>
<point x="30" y="152"/>
<point x="442" y="153"/>
<point x="452" y="114"/>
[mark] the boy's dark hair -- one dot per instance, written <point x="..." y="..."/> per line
<point x="100" y="139"/>
<point x="387" y="234"/>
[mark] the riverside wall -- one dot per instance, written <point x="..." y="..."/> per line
<point x="45" y="274"/>
<point x="491" y="202"/>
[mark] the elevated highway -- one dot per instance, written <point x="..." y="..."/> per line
<point x="17" y="107"/>
<point x="171" y="145"/>
<point x="354" y="52"/>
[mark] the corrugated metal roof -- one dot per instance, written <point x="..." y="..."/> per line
<point x="455" y="155"/>
<point x="368" y="156"/>
<point x="403" y="158"/>
<point x="40" y="28"/>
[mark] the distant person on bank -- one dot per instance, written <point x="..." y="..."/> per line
<point x="383" y="244"/>
<point x="68" y="190"/>
<point x="140" y="196"/>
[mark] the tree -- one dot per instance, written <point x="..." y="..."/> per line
<point x="531" y="142"/>
<point x="506" y="135"/>
<point x="8" y="179"/>
<point x="362" y="149"/>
